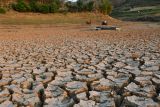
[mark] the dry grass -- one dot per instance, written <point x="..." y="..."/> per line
<point x="37" y="18"/>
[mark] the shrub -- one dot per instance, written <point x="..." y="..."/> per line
<point x="54" y="7"/>
<point x="44" y="8"/>
<point x="57" y="2"/>
<point x="105" y="7"/>
<point x="71" y="7"/>
<point x="33" y="5"/>
<point x="89" y="6"/>
<point x="80" y="5"/>
<point x="2" y="10"/>
<point x="21" y="6"/>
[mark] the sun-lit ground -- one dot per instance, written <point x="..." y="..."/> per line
<point x="58" y="18"/>
<point x="70" y="65"/>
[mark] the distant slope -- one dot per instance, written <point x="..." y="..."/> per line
<point x="14" y="18"/>
<point x="142" y="2"/>
<point x="119" y="3"/>
<point x="137" y="10"/>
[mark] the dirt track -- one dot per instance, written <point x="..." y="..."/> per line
<point x="66" y="66"/>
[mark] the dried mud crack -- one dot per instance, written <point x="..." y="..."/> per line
<point x="72" y="68"/>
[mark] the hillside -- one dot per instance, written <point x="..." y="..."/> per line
<point x="13" y="18"/>
<point x="143" y="10"/>
<point x="117" y="3"/>
<point x="121" y="3"/>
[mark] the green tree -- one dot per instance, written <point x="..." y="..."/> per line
<point x="21" y="6"/>
<point x="33" y="5"/>
<point x="54" y="7"/>
<point x="105" y="7"/>
<point x="89" y="6"/>
<point x="80" y="5"/>
<point x="44" y="8"/>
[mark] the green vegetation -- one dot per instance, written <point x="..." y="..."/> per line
<point x="21" y="6"/>
<point x="33" y="5"/>
<point x="141" y="3"/>
<point x="89" y="6"/>
<point x="105" y="7"/>
<point x="138" y="10"/>
<point x="80" y="5"/>
<point x="44" y="8"/>
<point x="54" y="6"/>
<point x="2" y="10"/>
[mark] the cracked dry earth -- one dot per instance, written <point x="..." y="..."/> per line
<point x="49" y="66"/>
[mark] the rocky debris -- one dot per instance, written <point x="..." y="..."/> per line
<point x="18" y="80"/>
<point x="37" y="71"/>
<point x="120" y="79"/>
<point x="44" y="78"/>
<point x="143" y="80"/>
<point x="119" y="65"/>
<point x="82" y="96"/>
<point x="18" y="98"/>
<point x="146" y="91"/>
<point x="61" y="81"/>
<point x="7" y="104"/>
<point x="86" y="72"/>
<point x="33" y="102"/>
<point x="156" y="81"/>
<point x="54" y="91"/>
<point x="27" y="85"/>
<point x="104" y="98"/>
<point x="134" y="101"/>
<point x="5" y="81"/>
<point x="14" y="88"/>
<point x="102" y="85"/>
<point x="4" y="95"/>
<point x="60" y="101"/>
<point x="80" y="71"/>
<point x="94" y="95"/>
<point x="76" y="87"/>
<point x="131" y="70"/>
<point x="152" y="68"/>
<point x="89" y="78"/>
<point x="88" y="103"/>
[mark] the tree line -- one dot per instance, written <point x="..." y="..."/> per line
<point x="61" y="6"/>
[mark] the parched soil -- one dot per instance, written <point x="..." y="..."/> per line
<point x="73" y="66"/>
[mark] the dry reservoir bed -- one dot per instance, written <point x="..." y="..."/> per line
<point x="68" y="66"/>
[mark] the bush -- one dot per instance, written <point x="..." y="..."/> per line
<point x="105" y="7"/>
<point x="2" y="10"/>
<point x="43" y="8"/>
<point x="57" y="2"/>
<point x="71" y="7"/>
<point x="21" y="6"/>
<point x="89" y="6"/>
<point x="54" y="8"/>
<point x="33" y="5"/>
<point x="80" y="5"/>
